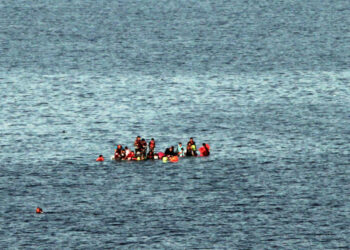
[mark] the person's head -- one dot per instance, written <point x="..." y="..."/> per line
<point x="171" y="148"/>
<point x="143" y="139"/>
<point x="119" y="146"/>
<point x="191" y="139"/>
<point x="101" y="156"/>
<point x="126" y="148"/>
<point x="138" y="138"/>
<point x="152" y="139"/>
<point x="180" y="144"/>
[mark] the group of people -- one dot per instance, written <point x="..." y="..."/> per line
<point x="144" y="150"/>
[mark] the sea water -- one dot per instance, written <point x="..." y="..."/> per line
<point x="264" y="83"/>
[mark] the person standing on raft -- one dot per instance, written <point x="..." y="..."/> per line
<point x="151" y="145"/>
<point x="138" y="145"/>
<point x="143" y="147"/>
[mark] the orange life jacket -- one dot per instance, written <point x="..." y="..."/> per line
<point x="100" y="159"/>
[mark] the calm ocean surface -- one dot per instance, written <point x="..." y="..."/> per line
<point x="265" y="83"/>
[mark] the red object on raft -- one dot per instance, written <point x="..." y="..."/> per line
<point x="174" y="159"/>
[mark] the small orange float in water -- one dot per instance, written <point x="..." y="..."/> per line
<point x="174" y="159"/>
<point x="39" y="210"/>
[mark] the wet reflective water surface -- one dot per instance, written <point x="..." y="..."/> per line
<point x="265" y="84"/>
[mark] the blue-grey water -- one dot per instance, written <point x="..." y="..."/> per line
<point x="265" y="83"/>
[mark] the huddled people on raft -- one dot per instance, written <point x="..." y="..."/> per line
<point x="140" y="152"/>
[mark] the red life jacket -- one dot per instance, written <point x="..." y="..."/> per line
<point x="100" y="159"/>
<point x="130" y="155"/>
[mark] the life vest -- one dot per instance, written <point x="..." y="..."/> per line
<point x="130" y="155"/>
<point x="100" y="159"/>
<point x="137" y="144"/>
<point x="204" y="150"/>
<point x="174" y="159"/>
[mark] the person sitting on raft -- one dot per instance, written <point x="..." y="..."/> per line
<point x="180" y="150"/>
<point x="123" y="155"/>
<point x="191" y="141"/>
<point x="150" y="155"/>
<point x="204" y="150"/>
<point x="151" y="145"/>
<point x="191" y="149"/>
<point x="127" y="150"/>
<point x="117" y="152"/>
<point x="131" y="156"/>
<point x="188" y="149"/>
<point x="193" y="146"/>
<point x="170" y="151"/>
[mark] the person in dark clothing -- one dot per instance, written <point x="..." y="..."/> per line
<point x="191" y="141"/>
<point x="117" y="152"/>
<point x="123" y="155"/>
<point x="150" y="155"/>
<point x="137" y="144"/>
<point x="193" y="147"/>
<point x="152" y="145"/>
<point x="170" y="151"/>
<point x="143" y="147"/>
<point x="189" y="149"/>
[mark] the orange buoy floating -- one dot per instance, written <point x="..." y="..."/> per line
<point x="174" y="159"/>
<point x="39" y="210"/>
